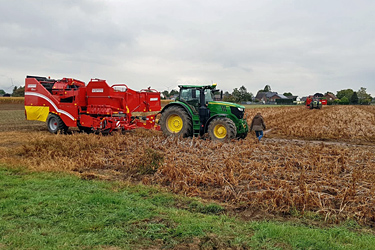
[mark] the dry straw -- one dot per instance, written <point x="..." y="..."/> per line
<point x="12" y="100"/>
<point x="333" y="179"/>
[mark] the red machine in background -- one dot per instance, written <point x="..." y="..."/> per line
<point x="315" y="102"/>
<point x="96" y="107"/>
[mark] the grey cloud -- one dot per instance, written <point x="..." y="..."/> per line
<point x="303" y="46"/>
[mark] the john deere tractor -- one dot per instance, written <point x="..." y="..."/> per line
<point x="195" y="113"/>
<point x="315" y="104"/>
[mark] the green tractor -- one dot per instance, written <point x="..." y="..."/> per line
<point x="195" y="113"/>
<point x="315" y="104"/>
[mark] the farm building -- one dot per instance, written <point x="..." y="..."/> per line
<point x="330" y="97"/>
<point x="272" y="97"/>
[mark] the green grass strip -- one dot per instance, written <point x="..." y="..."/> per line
<point x="60" y="211"/>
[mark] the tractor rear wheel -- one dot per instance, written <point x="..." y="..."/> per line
<point x="221" y="129"/>
<point x="55" y="124"/>
<point x="176" y="121"/>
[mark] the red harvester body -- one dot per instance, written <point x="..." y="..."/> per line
<point x="96" y="107"/>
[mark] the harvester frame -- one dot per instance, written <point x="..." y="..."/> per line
<point x="96" y="107"/>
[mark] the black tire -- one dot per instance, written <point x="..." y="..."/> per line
<point x="222" y="129"/>
<point x="242" y="136"/>
<point x="55" y="124"/>
<point x="176" y="121"/>
<point x="83" y="129"/>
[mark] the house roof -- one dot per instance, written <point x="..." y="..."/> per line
<point x="331" y="96"/>
<point x="282" y="96"/>
<point x="260" y="95"/>
<point x="270" y="94"/>
<point x="292" y="97"/>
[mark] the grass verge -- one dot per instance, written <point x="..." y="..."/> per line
<point x="61" y="211"/>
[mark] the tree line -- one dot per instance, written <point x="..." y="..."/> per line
<point x="238" y="95"/>
<point x="345" y="96"/>
<point x="348" y="96"/>
<point x="17" y="92"/>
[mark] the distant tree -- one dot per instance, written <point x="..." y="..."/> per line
<point x="244" y="95"/>
<point x="345" y="92"/>
<point x="267" y="88"/>
<point x="288" y="94"/>
<point x="236" y="94"/>
<point x="344" y="100"/>
<point x="2" y="92"/>
<point x="173" y="92"/>
<point x="363" y="97"/>
<point x="337" y="101"/>
<point x="228" y="98"/>
<point x="17" y="92"/>
<point x="165" y="94"/>
<point x="354" y="98"/>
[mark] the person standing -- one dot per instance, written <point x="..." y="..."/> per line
<point x="258" y="125"/>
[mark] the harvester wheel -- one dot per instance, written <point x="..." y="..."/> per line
<point x="83" y="129"/>
<point x="221" y="129"/>
<point x="175" y="121"/>
<point x="55" y="124"/>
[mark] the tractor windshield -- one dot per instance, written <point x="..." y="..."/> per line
<point x="187" y="95"/>
<point x="192" y="98"/>
<point x="209" y="95"/>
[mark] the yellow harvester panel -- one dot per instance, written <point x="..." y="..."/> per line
<point x="39" y="113"/>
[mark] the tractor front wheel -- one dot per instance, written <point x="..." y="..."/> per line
<point x="55" y="124"/>
<point x="176" y="121"/>
<point x="221" y="129"/>
<point x="242" y="136"/>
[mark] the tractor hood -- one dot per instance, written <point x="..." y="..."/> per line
<point x="231" y="104"/>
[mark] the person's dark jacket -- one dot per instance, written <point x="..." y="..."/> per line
<point x="258" y="123"/>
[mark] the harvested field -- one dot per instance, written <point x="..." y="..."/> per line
<point x="312" y="161"/>
<point x="12" y="100"/>
<point x="352" y="124"/>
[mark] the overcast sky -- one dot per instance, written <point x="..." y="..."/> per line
<point x="298" y="46"/>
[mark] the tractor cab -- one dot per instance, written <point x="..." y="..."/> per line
<point x="195" y="96"/>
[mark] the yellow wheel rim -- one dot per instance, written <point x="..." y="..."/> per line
<point x="220" y="131"/>
<point x="174" y="123"/>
